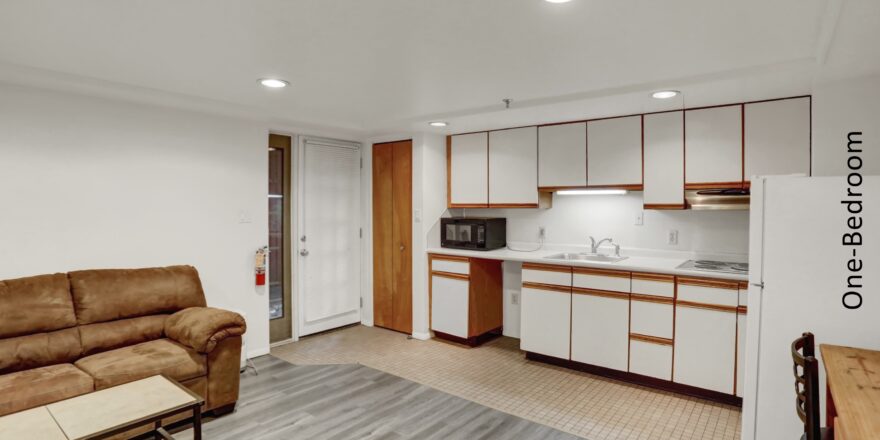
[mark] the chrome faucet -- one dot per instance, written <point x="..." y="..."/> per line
<point x="594" y="245"/>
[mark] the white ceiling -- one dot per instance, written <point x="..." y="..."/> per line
<point x="379" y="66"/>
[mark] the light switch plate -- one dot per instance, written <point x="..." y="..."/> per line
<point x="244" y="216"/>
<point x="640" y="218"/>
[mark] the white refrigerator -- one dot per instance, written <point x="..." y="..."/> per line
<point x="797" y="281"/>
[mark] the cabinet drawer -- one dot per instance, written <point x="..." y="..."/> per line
<point x="452" y="266"/>
<point x="650" y="359"/>
<point x="653" y="284"/>
<point x="651" y="318"/>
<point x="708" y="291"/>
<point x="598" y="279"/>
<point x="546" y="274"/>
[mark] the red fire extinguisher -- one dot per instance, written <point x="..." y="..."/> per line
<point x="260" y="266"/>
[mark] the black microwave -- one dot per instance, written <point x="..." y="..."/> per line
<point x="474" y="233"/>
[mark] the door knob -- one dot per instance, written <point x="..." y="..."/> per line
<point x="304" y="252"/>
<point x="402" y="247"/>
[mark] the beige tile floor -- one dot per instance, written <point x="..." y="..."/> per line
<point x="497" y="375"/>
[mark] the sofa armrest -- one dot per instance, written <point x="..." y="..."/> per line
<point x="202" y="328"/>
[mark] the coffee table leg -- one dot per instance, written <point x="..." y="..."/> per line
<point x="156" y="428"/>
<point x="197" y="422"/>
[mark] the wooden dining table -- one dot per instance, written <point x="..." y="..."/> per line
<point x="853" y="391"/>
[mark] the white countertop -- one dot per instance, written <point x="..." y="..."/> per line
<point x="660" y="262"/>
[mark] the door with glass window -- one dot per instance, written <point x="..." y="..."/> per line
<point x="280" y="323"/>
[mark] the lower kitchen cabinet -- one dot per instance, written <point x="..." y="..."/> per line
<point x="545" y="326"/>
<point x="705" y="348"/>
<point x="466" y="298"/>
<point x="653" y="317"/>
<point x="650" y="357"/>
<point x="600" y="328"/>
<point x="449" y="304"/>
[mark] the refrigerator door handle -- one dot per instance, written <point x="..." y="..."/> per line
<point x="761" y="285"/>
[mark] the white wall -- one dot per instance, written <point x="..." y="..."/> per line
<point x="839" y="108"/>
<point x="91" y="183"/>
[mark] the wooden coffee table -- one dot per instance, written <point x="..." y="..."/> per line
<point x="108" y="412"/>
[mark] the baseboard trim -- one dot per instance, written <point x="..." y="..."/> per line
<point x="258" y="352"/>
<point x="665" y="385"/>
<point x="421" y="336"/>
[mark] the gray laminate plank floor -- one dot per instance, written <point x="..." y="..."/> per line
<point x="351" y="401"/>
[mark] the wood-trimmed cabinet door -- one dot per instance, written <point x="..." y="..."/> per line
<point x="545" y="326"/>
<point x="513" y="168"/>
<point x="664" y="160"/>
<point x="600" y="328"/>
<point x="450" y="304"/>
<point x="614" y="152"/>
<point x="741" y="318"/>
<point x="777" y="137"/>
<point x="714" y="147"/>
<point x="562" y="156"/>
<point x="705" y="333"/>
<point x="468" y="170"/>
<point x="705" y="348"/>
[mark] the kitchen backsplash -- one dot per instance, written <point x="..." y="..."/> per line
<point x="573" y="218"/>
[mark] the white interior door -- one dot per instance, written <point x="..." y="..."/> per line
<point x="328" y="241"/>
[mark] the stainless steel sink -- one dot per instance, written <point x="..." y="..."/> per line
<point x="583" y="256"/>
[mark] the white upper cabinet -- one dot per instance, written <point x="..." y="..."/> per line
<point x="777" y="137"/>
<point x="562" y="155"/>
<point x="513" y="167"/>
<point x="713" y="147"/>
<point x="664" y="160"/>
<point x="469" y="169"/>
<point x="614" y="152"/>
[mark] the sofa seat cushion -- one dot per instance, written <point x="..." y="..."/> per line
<point x="40" y="386"/>
<point x="127" y="364"/>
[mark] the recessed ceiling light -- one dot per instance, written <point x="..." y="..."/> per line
<point x="557" y="1"/>
<point x="273" y="83"/>
<point x="589" y="192"/>
<point x="438" y="124"/>
<point x="665" y="94"/>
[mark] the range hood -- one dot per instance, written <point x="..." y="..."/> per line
<point x="718" y="199"/>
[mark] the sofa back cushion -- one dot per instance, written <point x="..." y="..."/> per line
<point x="111" y="335"/>
<point x="109" y="294"/>
<point x="39" y="350"/>
<point x="35" y="305"/>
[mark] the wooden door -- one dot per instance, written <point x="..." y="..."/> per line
<point x="392" y="235"/>
<point x="401" y="226"/>
<point x="562" y="156"/>
<point x="513" y="168"/>
<point x="468" y="170"/>
<point x="664" y="161"/>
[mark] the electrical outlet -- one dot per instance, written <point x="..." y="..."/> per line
<point x="514" y="299"/>
<point x="640" y="218"/>
<point x="672" y="237"/>
<point x="542" y="232"/>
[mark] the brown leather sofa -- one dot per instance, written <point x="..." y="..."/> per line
<point x="63" y="335"/>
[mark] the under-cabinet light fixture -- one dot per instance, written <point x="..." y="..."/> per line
<point x="438" y="124"/>
<point x="591" y="192"/>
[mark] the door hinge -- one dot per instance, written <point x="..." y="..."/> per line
<point x="362" y="162"/>
<point x="361" y="233"/>
<point x="362" y="302"/>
